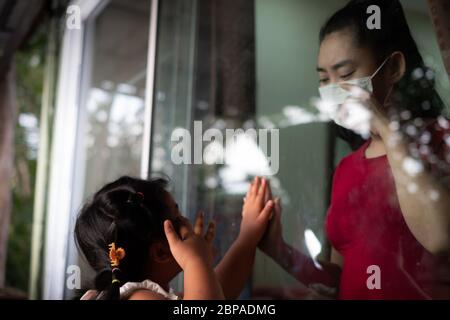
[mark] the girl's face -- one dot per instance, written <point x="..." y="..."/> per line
<point x="162" y="264"/>
<point x="340" y="59"/>
<point x="176" y="217"/>
<point x="174" y="213"/>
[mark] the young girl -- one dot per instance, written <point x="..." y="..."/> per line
<point x="134" y="237"/>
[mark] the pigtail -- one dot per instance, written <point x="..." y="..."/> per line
<point x="109" y="280"/>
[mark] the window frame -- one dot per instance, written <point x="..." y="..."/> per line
<point x="64" y="197"/>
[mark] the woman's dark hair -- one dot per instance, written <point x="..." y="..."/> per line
<point x="414" y="96"/>
<point x="129" y="212"/>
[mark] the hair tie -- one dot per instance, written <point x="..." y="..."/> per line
<point x="115" y="269"/>
<point x="140" y="195"/>
<point x="115" y="255"/>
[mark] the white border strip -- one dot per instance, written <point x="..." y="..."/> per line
<point x="63" y="156"/>
<point x="149" y="90"/>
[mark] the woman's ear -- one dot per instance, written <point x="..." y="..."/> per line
<point x="397" y="67"/>
<point x="160" y="252"/>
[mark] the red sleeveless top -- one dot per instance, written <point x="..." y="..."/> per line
<point x="366" y="226"/>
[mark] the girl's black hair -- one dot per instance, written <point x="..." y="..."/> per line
<point x="415" y="93"/>
<point x="129" y="212"/>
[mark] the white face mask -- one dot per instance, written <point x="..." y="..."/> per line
<point x="334" y="94"/>
<point x="355" y="117"/>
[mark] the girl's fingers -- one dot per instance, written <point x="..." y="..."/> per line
<point x="268" y="195"/>
<point x="262" y="189"/>
<point x="255" y="187"/>
<point x="249" y="190"/>
<point x="261" y="194"/>
<point x="198" y="226"/>
<point x="183" y="221"/>
<point x="171" y="235"/>
<point x="210" y="232"/>
<point x="184" y="231"/>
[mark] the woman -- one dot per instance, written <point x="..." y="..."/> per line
<point x="389" y="218"/>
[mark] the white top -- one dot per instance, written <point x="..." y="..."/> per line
<point x="130" y="287"/>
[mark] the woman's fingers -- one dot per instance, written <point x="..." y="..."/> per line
<point x="199" y="221"/>
<point x="278" y="208"/>
<point x="268" y="195"/>
<point x="267" y="211"/>
<point x="278" y="204"/>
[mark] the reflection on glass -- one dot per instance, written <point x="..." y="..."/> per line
<point x="115" y="96"/>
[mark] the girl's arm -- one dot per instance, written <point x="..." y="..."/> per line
<point x="192" y="251"/>
<point x="235" y="267"/>
<point x="237" y="264"/>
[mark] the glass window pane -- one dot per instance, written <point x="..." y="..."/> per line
<point x="115" y="96"/>
<point x="257" y="72"/>
<point x="111" y="119"/>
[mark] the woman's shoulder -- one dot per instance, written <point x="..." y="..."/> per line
<point x="352" y="157"/>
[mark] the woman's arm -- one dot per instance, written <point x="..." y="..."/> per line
<point x="299" y="265"/>
<point x="424" y="201"/>
<point x="304" y="268"/>
<point x="336" y="258"/>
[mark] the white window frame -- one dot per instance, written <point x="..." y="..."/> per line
<point x="63" y="181"/>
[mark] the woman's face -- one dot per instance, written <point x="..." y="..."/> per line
<point x="340" y="59"/>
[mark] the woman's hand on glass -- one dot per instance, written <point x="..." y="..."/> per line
<point x="272" y="240"/>
<point x="256" y="212"/>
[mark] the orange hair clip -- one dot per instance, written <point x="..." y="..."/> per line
<point x="115" y="255"/>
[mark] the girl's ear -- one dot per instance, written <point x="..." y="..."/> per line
<point x="160" y="252"/>
<point x="397" y="67"/>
